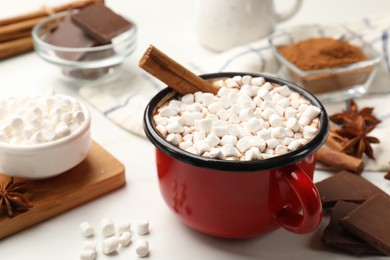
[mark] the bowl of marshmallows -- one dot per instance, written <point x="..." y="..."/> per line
<point x="42" y="135"/>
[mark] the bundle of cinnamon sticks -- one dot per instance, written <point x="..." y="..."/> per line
<point x="15" y="32"/>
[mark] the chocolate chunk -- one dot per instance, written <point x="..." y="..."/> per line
<point x="69" y="35"/>
<point x="371" y="222"/>
<point x="100" y="22"/>
<point x="346" y="186"/>
<point x="335" y="235"/>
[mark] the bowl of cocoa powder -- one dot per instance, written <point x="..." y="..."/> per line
<point x="330" y="62"/>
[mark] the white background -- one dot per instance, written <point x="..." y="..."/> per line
<point x="170" y="25"/>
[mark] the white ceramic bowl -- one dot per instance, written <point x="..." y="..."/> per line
<point x="49" y="159"/>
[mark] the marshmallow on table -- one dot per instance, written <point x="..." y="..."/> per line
<point x="124" y="227"/>
<point x="125" y="238"/>
<point x="87" y="229"/>
<point x="143" y="227"/>
<point x="107" y="227"/>
<point x="110" y="245"/>
<point x="88" y="255"/>
<point x="142" y="248"/>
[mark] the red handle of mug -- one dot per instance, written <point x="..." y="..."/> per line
<point x="308" y="196"/>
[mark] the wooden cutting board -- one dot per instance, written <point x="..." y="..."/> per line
<point x="98" y="174"/>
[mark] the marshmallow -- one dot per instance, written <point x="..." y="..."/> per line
<point x="110" y="245"/>
<point x="107" y="227"/>
<point x="246" y="90"/>
<point x="173" y="139"/>
<point x="143" y="227"/>
<point x="207" y="99"/>
<point x="265" y="134"/>
<point x="253" y="154"/>
<point x="205" y="125"/>
<point x="284" y="90"/>
<point x="220" y="131"/>
<point x="257" y="81"/>
<point x="214" y="107"/>
<point x="123" y="227"/>
<point x="174" y="127"/>
<point x="212" y="140"/>
<point x="295" y="144"/>
<point x="142" y="248"/>
<point x="201" y="146"/>
<point x="244" y="143"/>
<point x="280" y="149"/>
<point x="228" y="139"/>
<point x="125" y="238"/>
<point x="253" y="125"/>
<point x="225" y="102"/>
<point x="188" y="98"/>
<point x="216" y="153"/>
<point x="88" y="255"/>
<point x="87" y="229"/>
<point x="258" y="142"/>
<point x="223" y="114"/>
<point x="162" y="130"/>
<point x="278" y="132"/>
<point x="275" y="120"/>
<point x="184" y="145"/>
<point x="228" y="150"/>
<point x="309" y="131"/>
<point x="272" y="143"/>
<point x="246" y="80"/>
<point x="167" y="111"/>
<point x="292" y="123"/>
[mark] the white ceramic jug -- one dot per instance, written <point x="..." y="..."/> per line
<point x="223" y="24"/>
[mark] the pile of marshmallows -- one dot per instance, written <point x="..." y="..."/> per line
<point x="39" y="118"/>
<point x="112" y="242"/>
<point x="248" y="119"/>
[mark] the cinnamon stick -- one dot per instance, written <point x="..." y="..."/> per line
<point x="13" y="36"/>
<point x="43" y="12"/>
<point x="20" y="26"/>
<point x="340" y="160"/>
<point x="173" y="74"/>
<point x="14" y="47"/>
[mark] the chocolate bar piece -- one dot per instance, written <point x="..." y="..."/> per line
<point x="69" y="35"/>
<point x="100" y="22"/>
<point x="346" y="186"/>
<point x="371" y="222"/>
<point x="335" y="236"/>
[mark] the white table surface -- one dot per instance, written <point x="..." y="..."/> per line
<point x="170" y="25"/>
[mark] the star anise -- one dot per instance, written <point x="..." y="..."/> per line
<point x="355" y="125"/>
<point x="349" y="118"/>
<point x="359" y="141"/>
<point x="12" y="198"/>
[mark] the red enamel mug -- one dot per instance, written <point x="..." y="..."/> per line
<point x="238" y="199"/>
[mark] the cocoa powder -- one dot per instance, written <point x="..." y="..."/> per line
<point x="321" y="53"/>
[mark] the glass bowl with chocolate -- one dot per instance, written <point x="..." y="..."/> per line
<point x="331" y="62"/>
<point x="84" y="47"/>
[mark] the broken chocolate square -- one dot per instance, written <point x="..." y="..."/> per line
<point x="346" y="186"/>
<point x="335" y="236"/>
<point x="71" y="36"/>
<point x="371" y="222"/>
<point x="101" y="23"/>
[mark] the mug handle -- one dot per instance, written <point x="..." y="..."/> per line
<point x="309" y="198"/>
<point x="290" y="13"/>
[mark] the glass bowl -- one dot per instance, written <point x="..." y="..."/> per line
<point x="94" y="62"/>
<point x="333" y="84"/>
